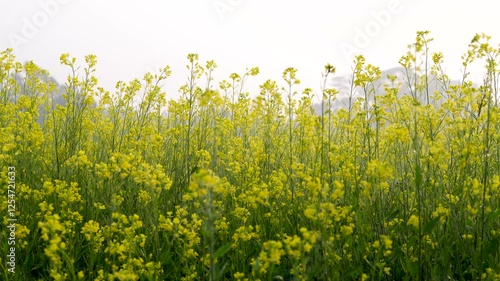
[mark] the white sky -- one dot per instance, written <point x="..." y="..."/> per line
<point x="133" y="37"/>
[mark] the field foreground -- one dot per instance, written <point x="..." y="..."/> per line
<point x="400" y="183"/>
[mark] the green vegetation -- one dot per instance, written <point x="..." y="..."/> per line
<point x="218" y="185"/>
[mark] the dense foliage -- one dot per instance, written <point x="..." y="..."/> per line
<point x="220" y="185"/>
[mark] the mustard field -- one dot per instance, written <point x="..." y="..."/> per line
<point x="401" y="182"/>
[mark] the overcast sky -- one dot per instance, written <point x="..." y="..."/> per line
<point x="133" y="37"/>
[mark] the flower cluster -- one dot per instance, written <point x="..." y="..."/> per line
<point x="395" y="177"/>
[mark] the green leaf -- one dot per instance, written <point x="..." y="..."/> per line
<point x="493" y="216"/>
<point x="430" y="225"/>
<point x="492" y="248"/>
<point x="222" y="250"/>
<point x="205" y="229"/>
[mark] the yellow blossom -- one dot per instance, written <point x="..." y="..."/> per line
<point x="413" y="221"/>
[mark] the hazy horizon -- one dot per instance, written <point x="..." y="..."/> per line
<point x="131" y="38"/>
